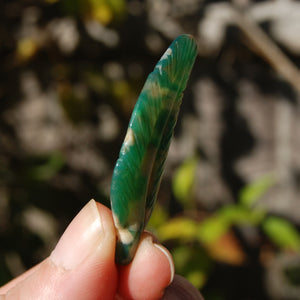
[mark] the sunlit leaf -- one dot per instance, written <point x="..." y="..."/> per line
<point x="250" y="194"/>
<point x="102" y="13"/>
<point x="26" y="48"/>
<point x="193" y="263"/>
<point x="282" y="233"/>
<point x="105" y="11"/>
<point x="217" y="225"/>
<point x="121" y="89"/>
<point x="227" y="249"/>
<point x="197" y="278"/>
<point x="183" y="180"/>
<point x="159" y="216"/>
<point x="179" y="228"/>
<point x="118" y="6"/>
<point x="212" y="229"/>
<point x="238" y="215"/>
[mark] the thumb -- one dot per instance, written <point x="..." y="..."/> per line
<point x="80" y="267"/>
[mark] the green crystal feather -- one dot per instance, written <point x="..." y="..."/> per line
<point x="138" y="171"/>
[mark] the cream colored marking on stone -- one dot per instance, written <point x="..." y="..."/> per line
<point x="165" y="56"/>
<point x="128" y="141"/>
<point x="162" y="92"/>
<point x="129" y="138"/>
<point x="159" y="69"/>
<point x="124" y="235"/>
<point x="134" y="227"/>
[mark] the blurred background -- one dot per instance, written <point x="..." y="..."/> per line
<point x="229" y="207"/>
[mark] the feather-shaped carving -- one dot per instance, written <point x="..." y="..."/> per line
<point x="138" y="170"/>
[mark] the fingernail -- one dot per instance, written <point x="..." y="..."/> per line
<point x="81" y="238"/>
<point x="170" y="259"/>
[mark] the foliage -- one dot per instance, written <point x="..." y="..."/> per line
<point x="213" y="236"/>
<point x="282" y="233"/>
<point x="184" y="180"/>
<point x="251" y="193"/>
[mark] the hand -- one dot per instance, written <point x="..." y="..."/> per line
<point x="82" y="267"/>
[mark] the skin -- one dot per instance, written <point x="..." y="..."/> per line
<point x="82" y="266"/>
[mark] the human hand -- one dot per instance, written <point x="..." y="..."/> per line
<point x="82" y="267"/>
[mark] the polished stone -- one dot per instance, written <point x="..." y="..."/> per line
<point x="138" y="170"/>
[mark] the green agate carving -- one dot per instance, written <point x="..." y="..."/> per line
<point x="138" y="171"/>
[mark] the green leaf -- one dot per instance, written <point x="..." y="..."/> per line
<point x="197" y="278"/>
<point x="193" y="263"/>
<point x="184" y="179"/>
<point x="158" y="218"/>
<point x="179" y="228"/>
<point x="282" y="233"/>
<point x="239" y="215"/>
<point x="250" y="194"/>
<point x="212" y="229"/>
<point x="49" y="168"/>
